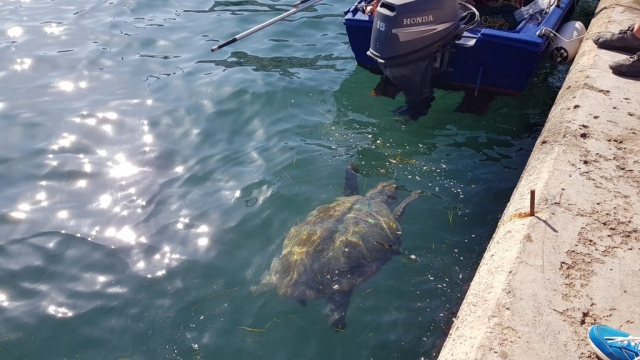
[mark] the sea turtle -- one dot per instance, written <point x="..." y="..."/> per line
<point x="338" y="247"/>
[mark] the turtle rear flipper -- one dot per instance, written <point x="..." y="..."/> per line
<point x="351" y="180"/>
<point x="336" y="310"/>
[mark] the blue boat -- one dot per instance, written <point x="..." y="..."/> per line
<point x="490" y="48"/>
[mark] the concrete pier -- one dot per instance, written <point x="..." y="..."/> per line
<point x="544" y="280"/>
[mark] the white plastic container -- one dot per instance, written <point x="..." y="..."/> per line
<point x="568" y="40"/>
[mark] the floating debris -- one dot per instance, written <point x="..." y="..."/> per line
<point x="251" y="329"/>
<point x="214" y="295"/>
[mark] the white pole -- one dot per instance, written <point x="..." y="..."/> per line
<point x="300" y="5"/>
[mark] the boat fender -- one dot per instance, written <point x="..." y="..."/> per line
<point x="567" y="42"/>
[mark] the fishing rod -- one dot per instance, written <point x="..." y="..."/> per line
<point x="299" y="6"/>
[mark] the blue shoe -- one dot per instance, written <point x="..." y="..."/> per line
<point x="613" y="344"/>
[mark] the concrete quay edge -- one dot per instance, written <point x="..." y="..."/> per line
<point x="544" y="280"/>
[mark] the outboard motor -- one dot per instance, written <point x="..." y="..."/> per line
<point x="407" y="37"/>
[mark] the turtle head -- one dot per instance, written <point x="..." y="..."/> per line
<point x="384" y="192"/>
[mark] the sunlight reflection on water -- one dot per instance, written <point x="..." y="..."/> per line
<point x="121" y="204"/>
<point x="3" y="300"/>
<point x="15" y="31"/>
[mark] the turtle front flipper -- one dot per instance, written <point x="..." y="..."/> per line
<point x="397" y="213"/>
<point x="336" y="310"/>
<point x="351" y="180"/>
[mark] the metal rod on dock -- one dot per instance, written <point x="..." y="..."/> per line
<point x="532" y="203"/>
<point x="299" y="6"/>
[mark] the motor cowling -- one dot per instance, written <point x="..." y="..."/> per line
<point x="405" y="39"/>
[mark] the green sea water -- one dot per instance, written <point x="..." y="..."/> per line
<point x="147" y="183"/>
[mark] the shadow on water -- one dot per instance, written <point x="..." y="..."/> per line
<point x="283" y="66"/>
